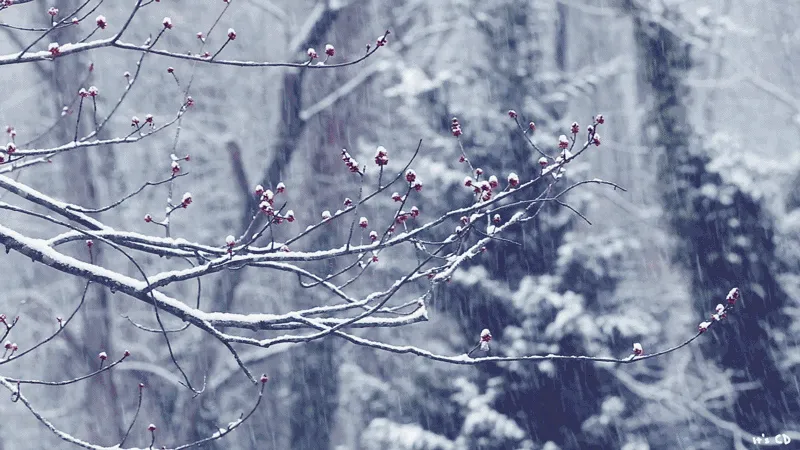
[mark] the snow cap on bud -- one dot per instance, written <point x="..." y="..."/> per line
<point x="513" y="179"/>
<point x="290" y="215"/>
<point x="486" y="336"/>
<point x="414" y="211"/>
<point x="311" y="53"/>
<point x="493" y="182"/>
<point x="231" y="34"/>
<point x="417" y="185"/>
<point x="575" y="128"/>
<point x="512" y="114"/>
<point x="381" y="156"/>
<point x="732" y="296"/>
<point x="532" y="126"/>
<point x="83" y="93"/>
<point x="264" y="379"/>
<point x="396" y="197"/>
<point x="186" y="200"/>
<point x="54" y="49"/>
<point x="326" y="215"/>
<point x="329" y="50"/>
<point x="101" y="22"/>
<point x="543" y="161"/>
<point x="348" y="202"/>
<point x="230" y="241"/>
<point x="93" y="91"/>
<point x="719" y="308"/>
<point x="148" y="218"/>
<point x="600" y="119"/>
<point x="703" y="326"/>
<point x="467" y="181"/>
<point x="637" y="349"/>
<point x="363" y="222"/>
<point x="411" y="175"/>
<point x="281" y="188"/>
<point x="563" y="142"/>
<point x="126" y="353"/>
<point x="53" y="11"/>
<point x="89" y="243"/>
<point x="11" y="148"/>
<point x="75" y="21"/>
<point x="478" y="171"/>
<point x="103" y="356"/>
<point x="496" y="218"/>
<point x="151" y="428"/>
<point x="596" y="139"/>
<point x="259" y="190"/>
<point x="167" y="22"/>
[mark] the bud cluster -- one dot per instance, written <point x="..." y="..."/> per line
<point x="484" y="188"/>
<point x="486" y="337"/>
<point x="266" y="201"/>
<point x="455" y="127"/>
<point x="351" y="163"/>
<point x="721" y="310"/>
<point x="381" y="156"/>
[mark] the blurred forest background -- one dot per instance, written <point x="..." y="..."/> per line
<point x="700" y="101"/>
